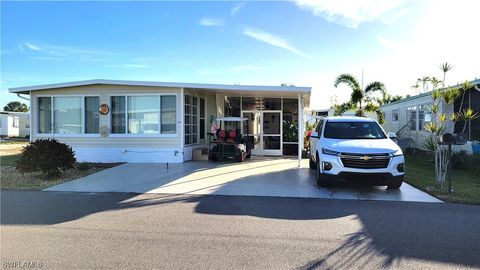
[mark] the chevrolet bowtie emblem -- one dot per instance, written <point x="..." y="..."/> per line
<point x="366" y="158"/>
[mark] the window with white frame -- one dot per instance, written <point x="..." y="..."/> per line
<point x="395" y="115"/>
<point x="66" y="115"/>
<point x="412" y="117"/>
<point x="145" y="114"/>
<point x="424" y="116"/>
<point x="191" y="113"/>
<point x="16" y="122"/>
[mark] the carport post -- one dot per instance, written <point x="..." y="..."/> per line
<point x="300" y="129"/>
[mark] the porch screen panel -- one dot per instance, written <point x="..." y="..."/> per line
<point x="412" y="117"/>
<point x="118" y="115"/>
<point x="191" y="119"/>
<point x="143" y="114"/>
<point x="67" y="115"/>
<point x="91" y="114"/>
<point x="290" y="126"/>
<point x="169" y="114"/>
<point x="44" y="115"/>
<point x="202" y="118"/>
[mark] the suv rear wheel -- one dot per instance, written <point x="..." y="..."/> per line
<point x="396" y="185"/>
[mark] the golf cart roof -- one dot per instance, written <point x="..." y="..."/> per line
<point x="231" y="119"/>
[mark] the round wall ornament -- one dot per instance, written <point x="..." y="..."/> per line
<point x="103" y="109"/>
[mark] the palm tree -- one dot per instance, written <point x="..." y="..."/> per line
<point x="359" y="96"/>
<point x="445" y="67"/>
<point x="424" y="81"/>
<point x="435" y="82"/>
<point x="416" y="86"/>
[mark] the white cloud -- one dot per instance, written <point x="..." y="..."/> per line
<point x="237" y="8"/>
<point x="272" y="40"/>
<point x="351" y="13"/>
<point x="388" y="43"/>
<point x="32" y="47"/>
<point x="211" y="22"/>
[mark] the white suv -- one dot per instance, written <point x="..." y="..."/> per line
<point x="355" y="149"/>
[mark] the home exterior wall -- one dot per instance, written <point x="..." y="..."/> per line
<point x="115" y="147"/>
<point x="4" y="124"/>
<point x="8" y="130"/>
<point x="417" y="137"/>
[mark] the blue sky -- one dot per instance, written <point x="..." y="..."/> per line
<point x="300" y="42"/>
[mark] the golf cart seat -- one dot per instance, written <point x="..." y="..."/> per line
<point x="220" y="135"/>
<point x="231" y="135"/>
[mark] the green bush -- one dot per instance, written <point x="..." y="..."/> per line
<point x="474" y="164"/>
<point x="83" y="166"/>
<point x="460" y="160"/>
<point x="47" y="156"/>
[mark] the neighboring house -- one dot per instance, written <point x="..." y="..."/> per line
<point x="407" y="117"/>
<point x="14" y="124"/>
<point x="134" y="121"/>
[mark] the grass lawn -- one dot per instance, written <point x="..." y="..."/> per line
<point x="419" y="172"/>
<point x="8" y="160"/>
<point x="13" y="180"/>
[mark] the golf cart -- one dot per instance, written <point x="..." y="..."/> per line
<point x="230" y="141"/>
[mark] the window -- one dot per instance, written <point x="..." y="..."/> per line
<point x="424" y="116"/>
<point x="191" y="113"/>
<point x="16" y="122"/>
<point x="169" y="114"/>
<point x="395" y="115"/>
<point x="44" y="115"/>
<point x="353" y="130"/>
<point x="67" y="115"/>
<point x="202" y="118"/>
<point x="91" y="115"/>
<point x="232" y="106"/>
<point x="144" y="114"/>
<point x="412" y="117"/>
<point x="118" y="115"/>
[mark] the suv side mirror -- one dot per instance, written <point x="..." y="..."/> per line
<point x="314" y="135"/>
<point x="392" y="135"/>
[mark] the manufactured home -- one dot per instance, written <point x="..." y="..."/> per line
<point x="136" y="121"/>
<point x="408" y="117"/>
<point x="14" y="124"/>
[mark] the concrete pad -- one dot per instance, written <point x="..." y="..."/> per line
<point x="257" y="177"/>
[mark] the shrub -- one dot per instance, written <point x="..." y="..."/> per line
<point x="83" y="166"/>
<point x="460" y="160"/>
<point x="473" y="166"/>
<point x="47" y="156"/>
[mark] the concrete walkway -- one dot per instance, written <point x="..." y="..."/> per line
<point x="256" y="177"/>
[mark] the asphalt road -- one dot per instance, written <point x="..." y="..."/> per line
<point x="88" y="231"/>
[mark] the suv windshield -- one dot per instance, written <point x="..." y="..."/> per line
<point x="353" y="130"/>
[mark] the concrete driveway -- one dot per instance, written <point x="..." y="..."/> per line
<point x="257" y="177"/>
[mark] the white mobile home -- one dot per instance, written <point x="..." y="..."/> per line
<point x="407" y="117"/>
<point x="134" y="121"/>
<point x="14" y="124"/>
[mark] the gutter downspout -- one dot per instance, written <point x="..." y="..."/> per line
<point x="24" y="98"/>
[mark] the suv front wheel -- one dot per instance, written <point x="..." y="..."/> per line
<point x="321" y="182"/>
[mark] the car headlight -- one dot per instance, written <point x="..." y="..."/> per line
<point x="329" y="152"/>
<point x="397" y="153"/>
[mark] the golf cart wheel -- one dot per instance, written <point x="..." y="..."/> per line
<point x="311" y="163"/>
<point x="249" y="155"/>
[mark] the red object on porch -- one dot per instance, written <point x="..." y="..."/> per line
<point x="221" y="135"/>
<point x="231" y="135"/>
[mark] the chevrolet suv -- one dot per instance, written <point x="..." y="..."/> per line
<point x="355" y="149"/>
